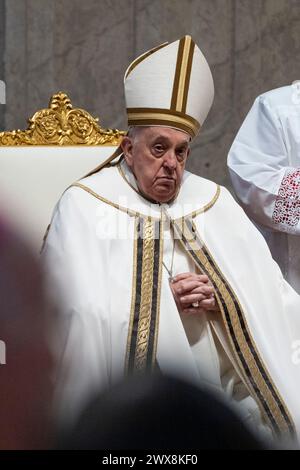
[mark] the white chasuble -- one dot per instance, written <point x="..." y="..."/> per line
<point x="105" y="251"/>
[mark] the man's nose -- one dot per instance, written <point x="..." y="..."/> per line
<point x="170" y="160"/>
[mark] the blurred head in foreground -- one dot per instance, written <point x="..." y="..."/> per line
<point x="159" y="413"/>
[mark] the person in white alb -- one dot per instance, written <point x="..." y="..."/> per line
<point x="161" y="269"/>
<point x="264" y="164"/>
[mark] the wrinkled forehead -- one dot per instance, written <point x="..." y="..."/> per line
<point x="170" y="134"/>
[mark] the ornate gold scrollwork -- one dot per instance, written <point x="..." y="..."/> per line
<point x="60" y="124"/>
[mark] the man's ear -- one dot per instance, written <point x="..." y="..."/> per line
<point x="126" y="146"/>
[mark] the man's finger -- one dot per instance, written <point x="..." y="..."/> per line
<point x="204" y="289"/>
<point x="189" y="299"/>
<point x="186" y="286"/>
<point x="199" y="277"/>
<point x="208" y="304"/>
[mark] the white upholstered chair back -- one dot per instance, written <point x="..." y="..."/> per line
<point x="61" y="145"/>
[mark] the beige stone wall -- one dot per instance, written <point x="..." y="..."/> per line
<point x="84" y="47"/>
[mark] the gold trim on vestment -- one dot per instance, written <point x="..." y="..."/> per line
<point x="145" y="303"/>
<point x="139" y="214"/>
<point x="208" y="205"/>
<point x="133" y="213"/>
<point x="246" y="353"/>
<point x="146" y="297"/>
<point x="106" y="201"/>
<point x="133" y="293"/>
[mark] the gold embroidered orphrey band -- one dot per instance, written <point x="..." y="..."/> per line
<point x="145" y="301"/>
<point x="258" y="378"/>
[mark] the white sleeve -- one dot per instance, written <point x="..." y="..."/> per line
<point x="265" y="183"/>
<point x="69" y="258"/>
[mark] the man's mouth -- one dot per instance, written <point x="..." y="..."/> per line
<point x="165" y="178"/>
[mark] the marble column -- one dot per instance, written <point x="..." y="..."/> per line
<point x="267" y="49"/>
<point x="93" y="45"/>
<point x="29" y="58"/>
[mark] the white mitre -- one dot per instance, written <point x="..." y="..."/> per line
<point x="170" y="85"/>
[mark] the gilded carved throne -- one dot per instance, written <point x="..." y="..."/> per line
<point x="60" y="145"/>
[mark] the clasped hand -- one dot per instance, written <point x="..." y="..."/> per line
<point x="193" y="293"/>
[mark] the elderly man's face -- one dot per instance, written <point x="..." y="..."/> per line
<point x="157" y="157"/>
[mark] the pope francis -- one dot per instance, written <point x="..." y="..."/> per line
<point x="161" y="269"/>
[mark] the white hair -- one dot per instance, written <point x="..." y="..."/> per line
<point x="134" y="131"/>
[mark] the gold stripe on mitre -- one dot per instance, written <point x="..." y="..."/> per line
<point x="163" y="117"/>
<point x="182" y="74"/>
